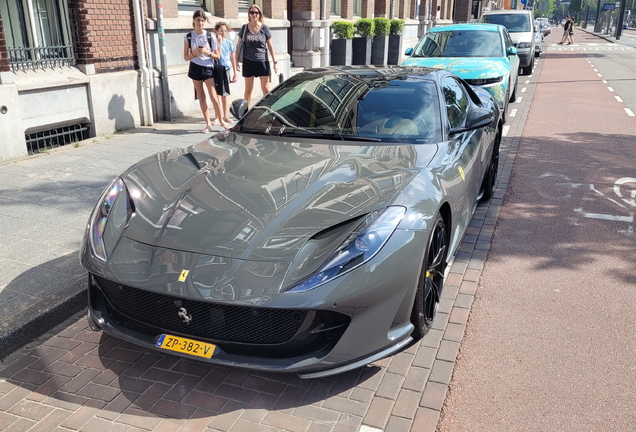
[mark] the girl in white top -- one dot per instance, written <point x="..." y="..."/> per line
<point x="201" y="51"/>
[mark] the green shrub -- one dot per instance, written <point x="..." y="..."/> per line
<point x="342" y="29"/>
<point x="382" y="26"/>
<point x="365" y="27"/>
<point x="397" y="26"/>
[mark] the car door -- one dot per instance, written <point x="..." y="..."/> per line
<point x="513" y="60"/>
<point x="464" y="167"/>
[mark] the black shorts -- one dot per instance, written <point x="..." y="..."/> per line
<point x="255" y="69"/>
<point x="200" y="73"/>
<point x="221" y="81"/>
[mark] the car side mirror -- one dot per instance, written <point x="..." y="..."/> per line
<point x="238" y="108"/>
<point x="408" y="51"/>
<point x="477" y="118"/>
<point x="511" y="50"/>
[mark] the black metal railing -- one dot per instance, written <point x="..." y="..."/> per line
<point x="22" y="59"/>
<point x="38" y="142"/>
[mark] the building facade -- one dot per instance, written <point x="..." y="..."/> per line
<point x="74" y="69"/>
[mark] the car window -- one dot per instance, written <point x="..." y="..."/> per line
<point x="456" y="102"/>
<point x="460" y="43"/>
<point x="384" y="108"/>
<point x="514" y="22"/>
<point x="508" y="39"/>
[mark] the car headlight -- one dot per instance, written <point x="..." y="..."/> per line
<point x="524" y="45"/>
<point x="359" y="247"/>
<point x="109" y="218"/>
<point x="484" y="81"/>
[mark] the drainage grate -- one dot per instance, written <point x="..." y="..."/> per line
<point x="38" y="142"/>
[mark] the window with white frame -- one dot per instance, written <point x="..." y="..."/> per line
<point x="244" y="5"/>
<point x="37" y="33"/>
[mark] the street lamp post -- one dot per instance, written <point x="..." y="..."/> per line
<point x="598" y="23"/>
<point x="619" y="21"/>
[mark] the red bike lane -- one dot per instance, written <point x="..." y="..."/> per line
<point x="549" y="344"/>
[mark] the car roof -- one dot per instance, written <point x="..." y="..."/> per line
<point x="372" y="72"/>
<point x="507" y="11"/>
<point x="469" y="26"/>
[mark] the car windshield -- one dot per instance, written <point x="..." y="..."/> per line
<point x="345" y="106"/>
<point x="463" y="43"/>
<point x="515" y="23"/>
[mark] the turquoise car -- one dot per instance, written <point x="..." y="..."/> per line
<point x="481" y="54"/>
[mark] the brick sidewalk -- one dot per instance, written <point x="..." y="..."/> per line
<point x="75" y="379"/>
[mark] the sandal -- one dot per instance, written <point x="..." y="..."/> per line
<point x="206" y="129"/>
<point x="227" y="120"/>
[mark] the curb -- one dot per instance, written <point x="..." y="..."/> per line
<point x="42" y="316"/>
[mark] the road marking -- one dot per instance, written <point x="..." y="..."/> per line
<point x="595" y="70"/>
<point x="504" y="131"/>
<point x="513" y="113"/>
<point x="604" y="82"/>
<point x="527" y="81"/>
<point x="630" y="112"/>
<point x="618" y="98"/>
<point x="519" y="99"/>
<point x="599" y="75"/>
<point x="523" y="90"/>
<point x="610" y="89"/>
<point x="602" y="216"/>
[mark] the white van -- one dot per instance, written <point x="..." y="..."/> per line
<point x="520" y="25"/>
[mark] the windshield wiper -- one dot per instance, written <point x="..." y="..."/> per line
<point x="255" y="131"/>
<point x="300" y="133"/>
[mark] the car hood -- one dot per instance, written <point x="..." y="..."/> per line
<point x="250" y="198"/>
<point x="465" y="67"/>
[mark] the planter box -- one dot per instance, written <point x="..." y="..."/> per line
<point x="361" y="54"/>
<point x="380" y="50"/>
<point x="395" y="49"/>
<point x="341" y="52"/>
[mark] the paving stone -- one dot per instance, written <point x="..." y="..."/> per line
<point x="448" y="350"/>
<point x="346" y="406"/>
<point x="139" y="419"/>
<point x="434" y="396"/>
<point x="425" y="420"/>
<point x="50" y="422"/>
<point x="406" y="404"/>
<point x="312" y="412"/>
<point x="378" y="413"/>
<point x="287" y="422"/>
<point x="390" y="386"/>
<point x="441" y="372"/>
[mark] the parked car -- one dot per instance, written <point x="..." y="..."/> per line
<point x="520" y="25"/>
<point x="538" y="41"/>
<point x="482" y="54"/>
<point x="312" y="237"/>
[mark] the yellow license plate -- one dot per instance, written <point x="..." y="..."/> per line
<point x="187" y="346"/>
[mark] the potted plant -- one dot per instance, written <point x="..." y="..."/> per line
<point x="380" y="47"/>
<point x="395" y="41"/>
<point x="365" y="28"/>
<point x="341" y="46"/>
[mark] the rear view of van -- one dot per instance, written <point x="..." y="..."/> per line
<point x="520" y="25"/>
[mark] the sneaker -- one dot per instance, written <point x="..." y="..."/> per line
<point x="560" y="43"/>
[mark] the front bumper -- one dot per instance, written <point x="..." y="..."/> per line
<point x="314" y="339"/>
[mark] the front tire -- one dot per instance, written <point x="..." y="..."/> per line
<point x="528" y="69"/>
<point x="490" y="177"/>
<point x="431" y="282"/>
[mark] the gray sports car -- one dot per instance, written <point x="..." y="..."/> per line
<point x="312" y="237"/>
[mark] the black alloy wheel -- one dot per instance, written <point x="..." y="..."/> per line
<point x="429" y="289"/>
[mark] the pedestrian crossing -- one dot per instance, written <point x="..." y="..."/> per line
<point x="591" y="47"/>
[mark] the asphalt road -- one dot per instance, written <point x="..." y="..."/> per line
<point x="550" y="344"/>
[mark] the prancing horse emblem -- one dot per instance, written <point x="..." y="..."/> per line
<point x="183" y="313"/>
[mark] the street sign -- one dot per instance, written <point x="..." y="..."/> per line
<point x="609" y="6"/>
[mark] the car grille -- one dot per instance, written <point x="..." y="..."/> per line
<point x="217" y="322"/>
